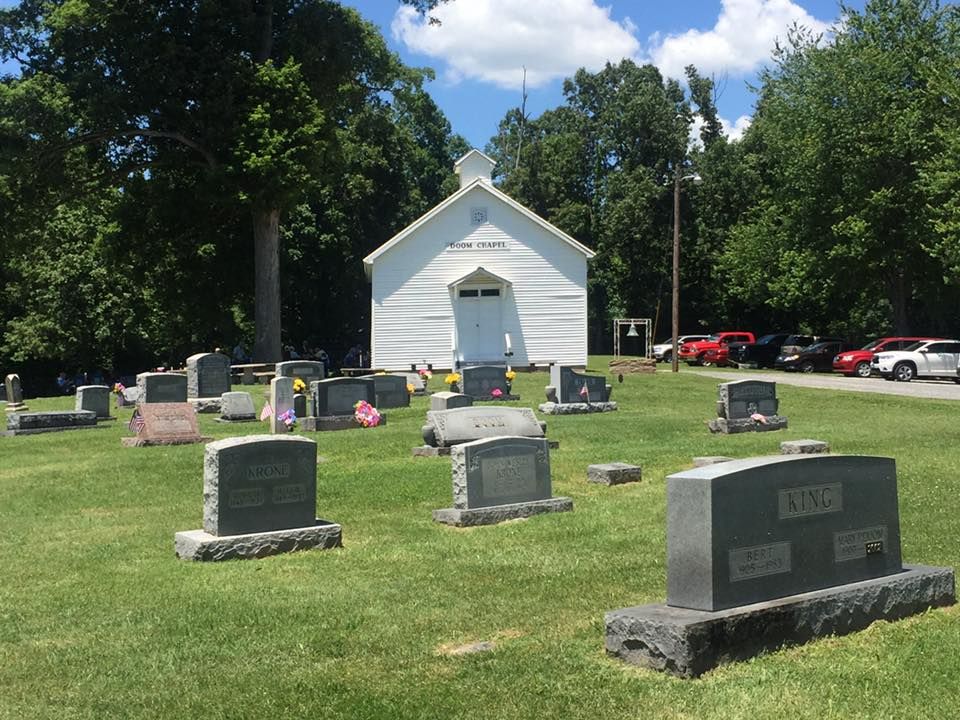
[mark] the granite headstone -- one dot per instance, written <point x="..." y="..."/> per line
<point x="479" y="381"/>
<point x="208" y="375"/>
<point x="747" y="406"/>
<point x="164" y="424"/>
<point x="95" y="398"/>
<point x="574" y="387"/>
<point x="449" y="400"/>
<point x="161" y="388"/>
<point x="14" y="394"/>
<point x="390" y="391"/>
<point x="337" y="396"/>
<point x="307" y="370"/>
<point x="237" y="407"/>
<point x="281" y="400"/>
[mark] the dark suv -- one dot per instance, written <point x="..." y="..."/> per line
<point x="764" y="352"/>
<point x="818" y="356"/>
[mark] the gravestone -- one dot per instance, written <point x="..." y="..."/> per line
<point x="804" y="447"/>
<point x="500" y="478"/>
<point x="446" y="428"/>
<point x="163" y="424"/>
<point x="390" y="391"/>
<point x="32" y="423"/>
<point x="259" y="499"/>
<point x="771" y="551"/>
<point x="300" y="405"/>
<point x="281" y="400"/>
<point x="307" y="370"/>
<point x="334" y="401"/>
<point x="161" y="388"/>
<point x="573" y="393"/>
<point x="419" y="386"/>
<point x="14" y="390"/>
<point x="95" y="398"/>
<point x="208" y="375"/>
<point x="129" y="396"/>
<point x="615" y="473"/>
<point x="3" y="392"/>
<point x="479" y="382"/>
<point x="449" y="400"/>
<point x="237" y="407"/>
<point x="747" y="406"/>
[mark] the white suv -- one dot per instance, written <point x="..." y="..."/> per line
<point x="929" y="358"/>
<point x="663" y="352"/>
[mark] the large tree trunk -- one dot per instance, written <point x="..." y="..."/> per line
<point x="266" y="263"/>
<point x="898" y="301"/>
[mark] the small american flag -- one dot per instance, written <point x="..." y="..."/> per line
<point x="267" y="412"/>
<point x="137" y="423"/>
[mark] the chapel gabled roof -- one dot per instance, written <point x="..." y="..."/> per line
<point x="497" y="195"/>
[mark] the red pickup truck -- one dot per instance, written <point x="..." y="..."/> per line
<point x="698" y="353"/>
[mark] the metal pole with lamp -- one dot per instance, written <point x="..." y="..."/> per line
<point x="675" y="314"/>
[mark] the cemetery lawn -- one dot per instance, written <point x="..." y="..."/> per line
<point x="98" y="619"/>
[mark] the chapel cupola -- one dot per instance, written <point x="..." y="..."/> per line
<point x="474" y="165"/>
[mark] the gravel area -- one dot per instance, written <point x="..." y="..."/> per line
<point x="939" y="389"/>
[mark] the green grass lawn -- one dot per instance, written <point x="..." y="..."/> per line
<point x="98" y="619"/>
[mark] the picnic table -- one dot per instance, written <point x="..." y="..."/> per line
<point x="357" y="372"/>
<point x="250" y="372"/>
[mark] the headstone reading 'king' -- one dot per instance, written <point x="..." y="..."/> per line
<point x="237" y="407"/>
<point x="747" y="406"/>
<point x="771" y="551"/>
<point x="446" y="428"/>
<point x="281" y="400"/>
<point x="334" y="402"/>
<point x="483" y="382"/>
<point x="95" y="398"/>
<point x="307" y="370"/>
<point x="161" y="388"/>
<point x="571" y="393"/>
<point x="259" y="499"/>
<point x="208" y="375"/>
<point x="14" y="390"/>
<point x="390" y="390"/>
<point x="163" y="424"/>
<point x="500" y="478"/>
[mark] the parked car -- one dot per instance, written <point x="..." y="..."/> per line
<point x="764" y="352"/>
<point x="929" y="359"/>
<point x="818" y="356"/>
<point x="857" y="362"/>
<point x="663" y="352"/>
<point x="693" y="353"/>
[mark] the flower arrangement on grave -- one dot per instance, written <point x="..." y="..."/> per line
<point x="496" y="392"/>
<point x="118" y="389"/>
<point x="509" y="375"/>
<point x="288" y="418"/>
<point x="425" y="375"/>
<point x="366" y="414"/>
<point x="453" y="380"/>
<point x="410" y="388"/>
<point x="299" y="386"/>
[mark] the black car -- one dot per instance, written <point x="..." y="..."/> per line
<point x="818" y="356"/>
<point x="764" y="352"/>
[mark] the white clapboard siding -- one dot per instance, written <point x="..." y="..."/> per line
<point x="544" y="310"/>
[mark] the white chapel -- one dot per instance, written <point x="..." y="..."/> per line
<point x="479" y="279"/>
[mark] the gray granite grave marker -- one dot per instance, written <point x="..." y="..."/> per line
<point x="259" y="499"/>
<point x="479" y="382"/>
<point x="574" y="393"/>
<point x="307" y="370"/>
<point x="95" y="398"/>
<point x="449" y="400"/>
<point x="498" y="479"/>
<point x="747" y="406"/>
<point x="770" y="551"/>
<point x="161" y="388"/>
<point x="390" y="391"/>
<point x="237" y="407"/>
<point x="415" y="379"/>
<point x="31" y="423"/>
<point x="281" y="400"/>
<point x="208" y="375"/>
<point x="334" y="401"/>
<point x="14" y="394"/>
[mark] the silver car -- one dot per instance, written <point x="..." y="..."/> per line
<point x="663" y="352"/>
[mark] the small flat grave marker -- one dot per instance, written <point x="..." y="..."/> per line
<point x="449" y="400"/>
<point x="164" y="424"/>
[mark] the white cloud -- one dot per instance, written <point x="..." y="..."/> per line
<point x="492" y="40"/>
<point x="742" y="39"/>
<point x="739" y="127"/>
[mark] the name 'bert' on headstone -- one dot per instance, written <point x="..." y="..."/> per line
<point x="499" y="479"/>
<point x="770" y="551"/>
<point x="259" y="497"/>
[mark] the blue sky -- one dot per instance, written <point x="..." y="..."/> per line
<point x="481" y="46"/>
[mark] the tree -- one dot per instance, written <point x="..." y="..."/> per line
<point x="242" y="98"/>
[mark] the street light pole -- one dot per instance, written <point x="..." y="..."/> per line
<point x="675" y="313"/>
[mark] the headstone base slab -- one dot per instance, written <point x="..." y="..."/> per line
<point x="431" y="451"/>
<point x="469" y="517"/>
<point x="51" y="421"/>
<point x="615" y="473"/>
<point x="552" y="408"/>
<point x="143" y="442"/>
<point x="38" y="431"/>
<point x="804" y="447"/>
<point x="490" y="398"/>
<point x="688" y="643"/>
<point x="741" y="425"/>
<point x="704" y="460"/>
<point x="330" y="423"/>
<point x="205" y="405"/>
<point x="16" y="407"/>
<point x="238" y="419"/>
<point x="202" y="546"/>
